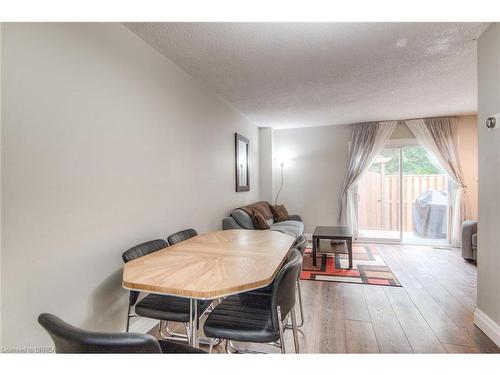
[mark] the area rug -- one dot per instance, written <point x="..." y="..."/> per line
<point x="368" y="267"/>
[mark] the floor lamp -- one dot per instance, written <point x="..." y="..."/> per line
<point x="282" y="165"/>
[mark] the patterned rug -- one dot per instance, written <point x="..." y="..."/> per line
<point x="368" y="267"/>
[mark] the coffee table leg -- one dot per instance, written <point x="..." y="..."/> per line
<point x="314" y="251"/>
<point x="349" y="249"/>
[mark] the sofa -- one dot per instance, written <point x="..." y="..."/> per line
<point x="469" y="240"/>
<point x="240" y="219"/>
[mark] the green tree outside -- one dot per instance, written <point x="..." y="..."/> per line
<point x="415" y="161"/>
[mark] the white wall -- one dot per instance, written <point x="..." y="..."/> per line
<point x="313" y="176"/>
<point x="266" y="163"/>
<point x="402" y="132"/>
<point x="105" y="144"/>
<point x="488" y="292"/>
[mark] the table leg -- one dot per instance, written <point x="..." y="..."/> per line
<point x="314" y="251"/>
<point x="193" y="323"/>
<point x="349" y="249"/>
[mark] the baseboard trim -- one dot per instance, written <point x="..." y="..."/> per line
<point x="487" y="325"/>
<point x="142" y="325"/>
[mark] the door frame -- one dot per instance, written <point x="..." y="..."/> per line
<point x="401" y="144"/>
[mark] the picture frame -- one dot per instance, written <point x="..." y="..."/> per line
<point x="242" y="146"/>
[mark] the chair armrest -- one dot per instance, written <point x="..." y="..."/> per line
<point x="468" y="229"/>
<point x="294" y="217"/>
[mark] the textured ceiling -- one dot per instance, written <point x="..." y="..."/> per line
<point x="313" y="74"/>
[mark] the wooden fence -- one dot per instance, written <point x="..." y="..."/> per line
<point x="378" y="198"/>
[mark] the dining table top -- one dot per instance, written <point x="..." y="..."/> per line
<point x="211" y="265"/>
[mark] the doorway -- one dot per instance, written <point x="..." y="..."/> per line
<point x="404" y="197"/>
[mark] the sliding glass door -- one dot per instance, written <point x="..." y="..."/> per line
<point x="404" y="197"/>
<point x="379" y="197"/>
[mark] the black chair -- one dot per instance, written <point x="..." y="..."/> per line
<point x="259" y="318"/>
<point x="172" y="240"/>
<point x="155" y="306"/>
<point x="70" y="339"/>
<point x="181" y="236"/>
<point x="300" y="244"/>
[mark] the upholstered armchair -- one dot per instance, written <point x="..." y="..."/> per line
<point x="469" y="240"/>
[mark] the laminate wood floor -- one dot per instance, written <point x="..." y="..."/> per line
<point x="431" y="313"/>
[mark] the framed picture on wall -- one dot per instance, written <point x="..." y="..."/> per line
<point x="242" y="145"/>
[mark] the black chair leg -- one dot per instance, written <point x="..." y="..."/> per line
<point x="281" y="330"/>
<point x="300" y="305"/>
<point x="295" y="334"/>
<point x="128" y="320"/>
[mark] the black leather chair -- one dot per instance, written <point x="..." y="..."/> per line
<point x="181" y="236"/>
<point x="300" y="244"/>
<point x="70" y="339"/>
<point x="259" y="318"/>
<point x="172" y="240"/>
<point x="155" y="306"/>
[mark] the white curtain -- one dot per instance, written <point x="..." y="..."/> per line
<point x="367" y="140"/>
<point x="437" y="136"/>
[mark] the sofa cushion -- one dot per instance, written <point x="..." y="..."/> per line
<point x="262" y="207"/>
<point x="242" y="218"/>
<point x="292" y="223"/>
<point x="279" y="213"/>
<point x="288" y="231"/>
<point x="474" y="241"/>
<point x="259" y="222"/>
<point x="290" y="227"/>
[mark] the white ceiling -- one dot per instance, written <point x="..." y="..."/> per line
<point x="313" y="74"/>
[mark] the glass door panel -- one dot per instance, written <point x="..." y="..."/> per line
<point x="425" y="198"/>
<point x="379" y="198"/>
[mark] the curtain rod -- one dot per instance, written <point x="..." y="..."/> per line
<point x="416" y="118"/>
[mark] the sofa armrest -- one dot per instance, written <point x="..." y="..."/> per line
<point x="468" y="229"/>
<point x="294" y="217"/>
<point x="230" y="223"/>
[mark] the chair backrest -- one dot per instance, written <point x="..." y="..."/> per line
<point x="284" y="284"/>
<point x="138" y="251"/>
<point x="301" y="244"/>
<point x="181" y="236"/>
<point x="143" y="249"/>
<point x="70" y="339"/>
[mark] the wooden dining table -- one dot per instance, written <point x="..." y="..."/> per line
<point x="208" y="266"/>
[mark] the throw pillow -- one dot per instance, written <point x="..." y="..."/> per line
<point x="279" y="212"/>
<point x="259" y="221"/>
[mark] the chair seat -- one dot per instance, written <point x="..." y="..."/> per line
<point x="243" y="317"/>
<point x="173" y="347"/>
<point x="175" y="309"/>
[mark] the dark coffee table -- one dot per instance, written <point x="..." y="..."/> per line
<point x="332" y="233"/>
